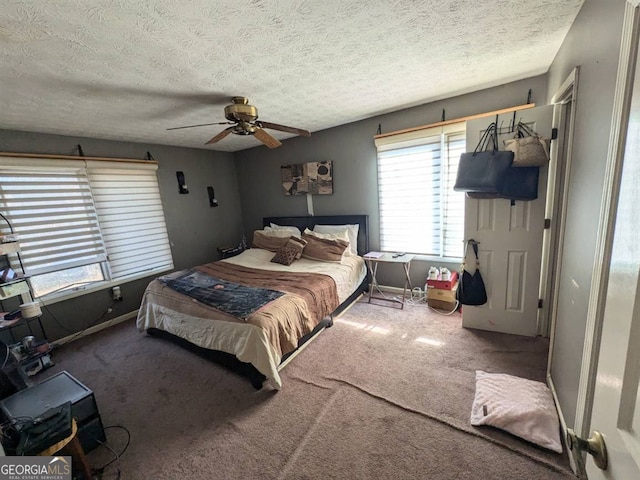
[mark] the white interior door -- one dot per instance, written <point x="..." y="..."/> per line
<point x="616" y="407"/>
<point x="510" y="236"/>
<point x="616" y="402"/>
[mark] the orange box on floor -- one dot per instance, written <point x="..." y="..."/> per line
<point x="444" y="284"/>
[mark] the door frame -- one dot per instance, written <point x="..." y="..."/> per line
<point x="557" y="194"/>
<point x="556" y="203"/>
<point x="606" y="226"/>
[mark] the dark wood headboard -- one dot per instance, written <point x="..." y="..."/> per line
<point x="310" y="222"/>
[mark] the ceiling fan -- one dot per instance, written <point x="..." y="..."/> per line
<point x="243" y="119"/>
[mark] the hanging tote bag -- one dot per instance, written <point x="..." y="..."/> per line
<point x="484" y="170"/>
<point x="471" y="289"/>
<point x="529" y="149"/>
<point x="521" y="183"/>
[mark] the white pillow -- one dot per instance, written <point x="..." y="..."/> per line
<point x="276" y="233"/>
<point x="352" y="233"/>
<point x="295" y="231"/>
<point x="519" y="406"/>
<point x="343" y="235"/>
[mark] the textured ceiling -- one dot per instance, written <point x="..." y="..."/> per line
<point x="130" y="69"/>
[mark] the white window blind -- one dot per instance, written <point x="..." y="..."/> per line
<point x="53" y="212"/>
<point x="128" y="203"/>
<point x="84" y="221"/>
<point x="419" y="210"/>
<point x="453" y="205"/>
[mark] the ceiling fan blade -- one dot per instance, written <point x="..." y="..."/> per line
<point x="265" y="138"/>
<point x="284" y="128"/>
<point x="201" y="125"/>
<point x="220" y="136"/>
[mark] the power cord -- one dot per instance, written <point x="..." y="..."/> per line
<point x="92" y="324"/>
<point x="10" y="431"/>
<point x="56" y="319"/>
<point x="73" y="286"/>
<point x="444" y="312"/>
<point x="383" y="295"/>
<point x="396" y="298"/>
<point x="419" y="298"/>
<point x="100" y="470"/>
<point x="6" y="356"/>
<point x="417" y="293"/>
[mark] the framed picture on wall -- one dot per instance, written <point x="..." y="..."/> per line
<point x="312" y="177"/>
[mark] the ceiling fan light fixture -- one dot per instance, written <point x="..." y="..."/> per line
<point x="244" y="118"/>
<point x="244" y="128"/>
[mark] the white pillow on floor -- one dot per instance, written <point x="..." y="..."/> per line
<point x="519" y="406"/>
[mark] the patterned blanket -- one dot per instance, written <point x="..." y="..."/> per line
<point x="232" y="298"/>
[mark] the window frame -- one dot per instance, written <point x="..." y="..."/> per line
<point x="417" y="137"/>
<point x="34" y="161"/>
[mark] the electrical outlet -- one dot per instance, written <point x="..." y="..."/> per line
<point x="117" y="295"/>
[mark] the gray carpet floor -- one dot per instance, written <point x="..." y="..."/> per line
<point x="383" y="394"/>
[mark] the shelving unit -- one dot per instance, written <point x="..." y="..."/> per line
<point x="9" y="325"/>
<point x="19" y="287"/>
<point x="13" y="288"/>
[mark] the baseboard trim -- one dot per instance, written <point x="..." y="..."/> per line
<point x="95" y="328"/>
<point x="410" y="294"/>
<point x="396" y="290"/>
<point x="563" y="427"/>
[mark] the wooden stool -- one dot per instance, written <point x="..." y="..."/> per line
<point x="72" y="445"/>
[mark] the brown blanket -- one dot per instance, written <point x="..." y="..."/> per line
<point x="309" y="297"/>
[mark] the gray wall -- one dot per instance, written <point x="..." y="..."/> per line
<point x="195" y="229"/>
<point x="353" y="153"/>
<point x="593" y="43"/>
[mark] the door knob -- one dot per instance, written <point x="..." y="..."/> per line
<point x="594" y="446"/>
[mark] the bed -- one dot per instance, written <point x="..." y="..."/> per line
<point x="291" y="303"/>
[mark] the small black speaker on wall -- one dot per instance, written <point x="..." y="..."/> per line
<point x="212" y="197"/>
<point x="182" y="186"/>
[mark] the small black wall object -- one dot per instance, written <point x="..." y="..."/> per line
<point x="182" y="187"/>
<point x="212" y="197"/>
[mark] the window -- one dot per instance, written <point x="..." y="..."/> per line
<point x="419" y="210"/>
<point x="131" y="218"/>
<point x="82" y="222"/>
